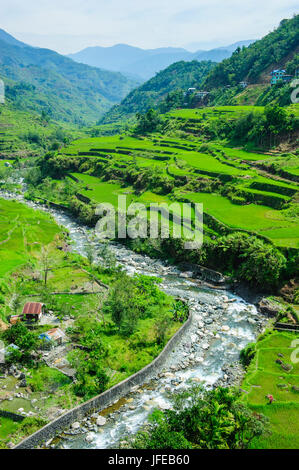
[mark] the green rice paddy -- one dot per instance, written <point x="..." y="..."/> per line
<point x="174" y="157"/>
<point x="22" y="232"/>
<point x="266" y="376"/>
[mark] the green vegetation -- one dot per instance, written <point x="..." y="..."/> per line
<point x="273" y="372"/>
<point x="24" y="134"/>
<point x="251" y="125"/>
<point x="202" y="419"/>
<point x="22" y="233"/>
<point x="41" y="80"/>
<point x="164" y="91"/>
<point x="11" y="431"/>
<point x="255" y="60"/>
<point x="114" y="324"/>
<point x="239" y="160"/>
<point x="165" y="161"/>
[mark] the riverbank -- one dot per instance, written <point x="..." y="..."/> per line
<point x="208" y="354"/>
<point x="221" y="327"/>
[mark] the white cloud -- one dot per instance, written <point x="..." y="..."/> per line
<point x="69" y="25"/>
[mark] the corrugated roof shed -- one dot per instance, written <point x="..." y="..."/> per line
<point x="55" y="333"/>
<point x="32" y="308"/>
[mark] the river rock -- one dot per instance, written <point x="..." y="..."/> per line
<point x="186" y="275"/>
<point x="76" y="425"/>
<point x="101" y="421"/>
<point x="89" y="437"/>
<point x="267" y="307"/>
<point x="23" y="383"/>
<point x="200" y="359"/>
<point x="163" y="406"/>
<point x="225" y="328"/>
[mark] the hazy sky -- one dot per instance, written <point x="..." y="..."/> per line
<point x="71" y="25"/>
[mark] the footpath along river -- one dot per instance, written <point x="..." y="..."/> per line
<point x="222" y="324"/>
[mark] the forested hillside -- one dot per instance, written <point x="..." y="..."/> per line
<point x="178" y="76"/>
<point x="251" y="63"/>
<point x="42" y="80"/>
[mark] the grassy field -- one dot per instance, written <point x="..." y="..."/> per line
<point x="22" y="233"/>
<point x="257" y="218"/>
<point x="101" y="191"/>
<point x="7" y="427"/>
<point x="214" y="112"/>
<point x="267" y="377"/>
<point x="24" y="134"/>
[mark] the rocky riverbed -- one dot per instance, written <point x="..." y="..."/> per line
<point x="222" y="324"/>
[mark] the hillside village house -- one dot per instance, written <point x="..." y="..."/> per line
<point x="190" y="91"/>
<point x="202" y="94"/>
<point x="14" y="319"/>
<point x="279" y="74"/>
<point x="6" y="351"/>
<point x="33" y="311"/>
<point x="56" y="336"/>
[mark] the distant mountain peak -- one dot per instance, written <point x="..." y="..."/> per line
<point x="9" y="39"/>
<point x="145" y="63"/>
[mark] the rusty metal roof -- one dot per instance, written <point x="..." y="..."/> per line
<point x="55" y="333"/>
<point x="32" y="308"/>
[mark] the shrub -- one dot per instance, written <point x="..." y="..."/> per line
<point x="203" y="419"/>
<point x="247" y="354"/>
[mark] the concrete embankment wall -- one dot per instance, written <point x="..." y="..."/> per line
<point x="105" y="399"/>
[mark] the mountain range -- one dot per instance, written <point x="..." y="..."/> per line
<point x="42" y="80"/>
<point x="143" y="64"/>
<point x="280" y="48"/>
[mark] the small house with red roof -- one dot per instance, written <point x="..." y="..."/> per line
<point x="33" y="311"/>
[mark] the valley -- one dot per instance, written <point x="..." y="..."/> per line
<point x="136" y="342"/>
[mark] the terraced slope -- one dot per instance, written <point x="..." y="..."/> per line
<point x="25" y="134"/>
<point x="158" y="168"/>
<point x="267" y="375"/>
<point x="22" y="232"/>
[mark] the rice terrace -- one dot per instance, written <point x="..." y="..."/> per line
<point x="140" y="339"/>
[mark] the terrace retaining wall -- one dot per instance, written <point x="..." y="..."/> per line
<point x="286" y="326"/>
<point x="105" y="399"/>
<point x="14" y="416"/>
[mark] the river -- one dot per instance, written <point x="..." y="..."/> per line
<point x="222" y="325"/>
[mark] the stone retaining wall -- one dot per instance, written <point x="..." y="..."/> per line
<point x="286" y="326"/>
<point x="11" y="415"/>
<point x="105" y="399"/>
<point x="204" y="273"/>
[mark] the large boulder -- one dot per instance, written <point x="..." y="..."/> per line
<point x="268" y="308"/>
